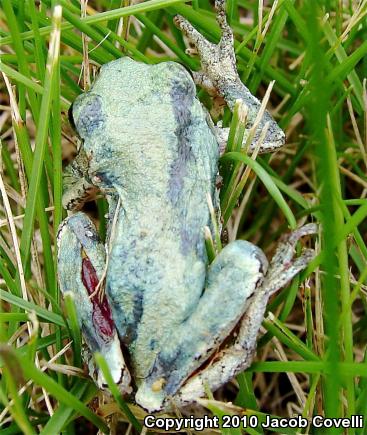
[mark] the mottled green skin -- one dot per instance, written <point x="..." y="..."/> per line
<point x="148" y="142"/>
<point x="150" y="148"/>
<point x="156" y="149"/>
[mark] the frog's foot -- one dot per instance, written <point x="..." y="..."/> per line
<point x="218" y="61"/>
<point x="81" y="261"/>
<point x="231" y="360"/>
<point x="219" y="73"/>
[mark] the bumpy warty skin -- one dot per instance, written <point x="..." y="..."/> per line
<point x="149" y="139"/>
<point x="173" y="327"/>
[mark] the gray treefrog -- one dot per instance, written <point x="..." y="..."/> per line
<point x="147" y="299"/>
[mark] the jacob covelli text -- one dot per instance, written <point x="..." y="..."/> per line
<point x="235" y="421"/>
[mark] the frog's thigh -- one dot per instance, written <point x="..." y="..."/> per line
<point x="232" y="279"/>
<point x="231" y="360"/>
<point x="81" y="262"/>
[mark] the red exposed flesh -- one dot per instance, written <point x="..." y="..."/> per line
<point x="102" y="317"/>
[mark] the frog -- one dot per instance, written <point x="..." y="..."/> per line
<point x="169" y="325"/>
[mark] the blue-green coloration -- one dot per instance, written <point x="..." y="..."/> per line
<point x="150" y="148"/>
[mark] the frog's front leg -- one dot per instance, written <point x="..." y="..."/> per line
<point x="78" y="188"/>
<point x="81" y="265"/>
<point x="219" y="73"/>
<point x="234" y="359"/>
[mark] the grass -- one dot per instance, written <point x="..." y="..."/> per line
<point x="312" y="357"/>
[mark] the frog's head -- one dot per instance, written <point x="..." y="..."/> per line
<point x="130" y="114"/>
<point x="129" y="94"/>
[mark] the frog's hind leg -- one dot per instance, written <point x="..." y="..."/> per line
<point x="81" y="263"/>
<point x="219" y="74"/>
<point x="232" y="278"/>
<point x="237" y="357"/>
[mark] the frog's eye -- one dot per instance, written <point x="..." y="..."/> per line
<point x="71" y="117"/>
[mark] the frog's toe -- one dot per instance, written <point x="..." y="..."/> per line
<point x="117" y="368"/>
<point x="227" y="34"/>
<point x="119" y="372"/>
<point x="273" y="140"/>
<point x="283" y="267"/>
<point x="150" y="398"/>
<point x="220" y="5"/>
<point x="193" y="35"/>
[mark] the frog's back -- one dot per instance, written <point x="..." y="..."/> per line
<point x="168" y="154"/>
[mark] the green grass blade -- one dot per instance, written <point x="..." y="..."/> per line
<point x="115" y="392"/>
<point x="268" y="182"/>
<point x="41" y="139"/>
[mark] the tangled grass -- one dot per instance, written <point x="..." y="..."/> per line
<point x="312" y="355"/>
